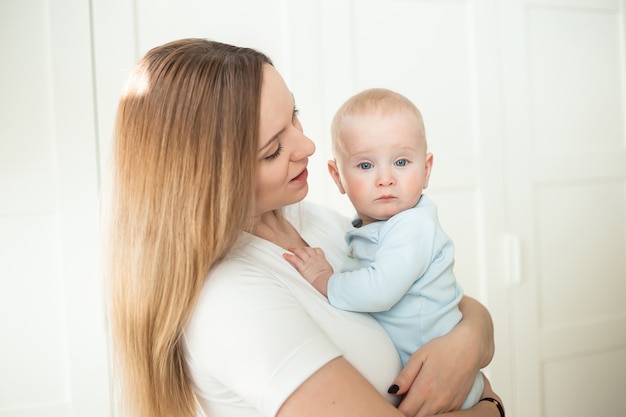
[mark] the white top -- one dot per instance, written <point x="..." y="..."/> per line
<point x="259" y="329"/>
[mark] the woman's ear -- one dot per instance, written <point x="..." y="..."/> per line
<point x="334" y="173"/>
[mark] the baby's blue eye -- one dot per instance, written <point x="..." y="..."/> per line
<point x="401" y="162"/>
<point x="365" y="165"/>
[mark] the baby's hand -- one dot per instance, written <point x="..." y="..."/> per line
<point x="312" y="265"/>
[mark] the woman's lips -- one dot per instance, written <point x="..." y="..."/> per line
<point x="302" y="176"/>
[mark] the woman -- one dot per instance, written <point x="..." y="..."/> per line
<point x="209" y="163"/>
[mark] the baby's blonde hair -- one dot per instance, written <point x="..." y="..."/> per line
<point x="373" y="100"/>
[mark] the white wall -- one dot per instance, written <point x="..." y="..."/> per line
<point x="53" y="358"/>
<point x="524" y="108"/>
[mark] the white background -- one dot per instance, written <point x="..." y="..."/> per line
<point x="524" y="109"/>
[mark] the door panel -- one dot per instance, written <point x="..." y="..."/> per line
<point x="54" y="359"/>
<point x="568" y="175"/>
<point x="34" y="347"/>
<point x="524" y="109"/>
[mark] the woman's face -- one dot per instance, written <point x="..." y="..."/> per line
<point x="283" y="149"/>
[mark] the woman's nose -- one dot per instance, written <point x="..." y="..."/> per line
<point x="304" y="147"/>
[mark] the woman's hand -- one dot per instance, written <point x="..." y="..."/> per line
<point x="438" y="377"/>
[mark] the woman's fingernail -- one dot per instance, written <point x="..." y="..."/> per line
<point x="393" y="389"/>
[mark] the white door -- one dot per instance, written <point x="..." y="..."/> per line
<point x="53" y="359"/>
<point x="442" y="55"/>
<point x="564" y="74"/>
<point x="524" y="110"/>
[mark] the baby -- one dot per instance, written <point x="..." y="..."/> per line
<point x="399" y="263"/>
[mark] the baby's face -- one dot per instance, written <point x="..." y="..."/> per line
<point x="382" y="165"/>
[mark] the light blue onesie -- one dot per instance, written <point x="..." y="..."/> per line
<point x="400" y="270"/>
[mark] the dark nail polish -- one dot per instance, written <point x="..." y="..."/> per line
<point x="393" y="389"/>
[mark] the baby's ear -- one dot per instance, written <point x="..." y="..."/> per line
<point x="334" y="173"/>
<point x="428" y="167"/>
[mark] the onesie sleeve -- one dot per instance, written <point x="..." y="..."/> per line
<point x="406" y="246"/>
<point x="251" y="336"/>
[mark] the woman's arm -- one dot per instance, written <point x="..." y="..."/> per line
<point x="339" y="390"/>
<point x="438" y="377"/>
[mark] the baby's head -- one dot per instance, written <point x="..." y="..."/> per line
<point x="381" y="159"/>
<point x="373" y="101"/>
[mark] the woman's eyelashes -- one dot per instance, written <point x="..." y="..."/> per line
<point x="275" y="154"/>
<point x="294" y="119"/>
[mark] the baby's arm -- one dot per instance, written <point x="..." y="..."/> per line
<point x="312" y="265"/>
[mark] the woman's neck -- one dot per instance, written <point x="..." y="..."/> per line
<point x="277" y="230"/>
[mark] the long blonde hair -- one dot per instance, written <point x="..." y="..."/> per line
<point x="184" y="159"/>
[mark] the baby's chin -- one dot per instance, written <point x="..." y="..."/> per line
<point x="377" y="217"/>
<point x="382" y="210"/>
<point x="383" y="215"/>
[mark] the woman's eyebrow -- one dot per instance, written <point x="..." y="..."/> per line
<point x="272" y="140"/>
